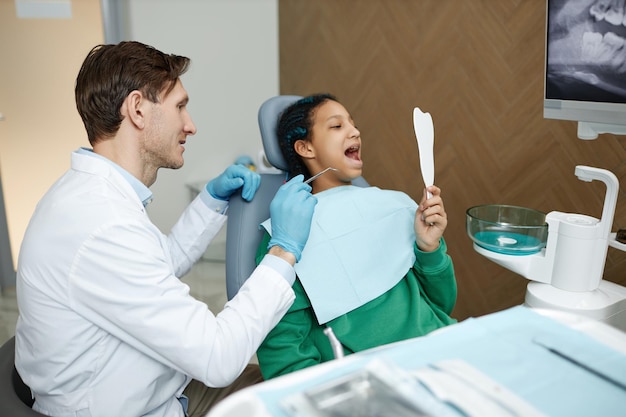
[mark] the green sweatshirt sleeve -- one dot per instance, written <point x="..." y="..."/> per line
<point x="261" y="251"/>
<point x="289" y="347"/>
<point x="435" y="273"/>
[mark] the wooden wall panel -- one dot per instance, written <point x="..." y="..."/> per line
<point x="477" y="67"/>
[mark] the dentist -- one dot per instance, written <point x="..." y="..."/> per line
<point x="105" y="326"/>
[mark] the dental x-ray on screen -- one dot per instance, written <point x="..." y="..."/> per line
<point x="586" y="50"/>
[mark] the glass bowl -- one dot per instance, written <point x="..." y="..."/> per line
<point x="510" y="230"/>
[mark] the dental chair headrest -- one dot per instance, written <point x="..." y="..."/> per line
<point x="269" y="113"/>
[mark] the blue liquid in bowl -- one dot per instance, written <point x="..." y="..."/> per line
<point x="508" y="243"/>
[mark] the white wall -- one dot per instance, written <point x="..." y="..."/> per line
<point x="233" y="46"/>
<point x="40" y="58"/>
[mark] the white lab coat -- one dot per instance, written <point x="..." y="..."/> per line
<point x="105" y="327"/>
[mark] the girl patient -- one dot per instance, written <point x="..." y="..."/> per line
<point x="375" y="267"/>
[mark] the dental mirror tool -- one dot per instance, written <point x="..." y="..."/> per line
<point x="314" y="177"/>
<point x="425" y="134"/>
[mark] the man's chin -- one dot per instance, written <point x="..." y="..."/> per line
<point x="174" y="165"/>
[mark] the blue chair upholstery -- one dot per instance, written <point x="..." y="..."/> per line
<point x="269" y="113"/>
<point x="15" y="397"/>
<point x="243" y="235"/>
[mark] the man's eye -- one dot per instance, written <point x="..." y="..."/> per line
<point x="336" y="127"/>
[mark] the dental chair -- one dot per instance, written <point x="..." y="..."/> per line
<point x="15" y="397"/>
<point x="243" y="235"/>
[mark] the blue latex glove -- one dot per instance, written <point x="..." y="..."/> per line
<point x="291" y="212"/>
<point x="233" y="178"/>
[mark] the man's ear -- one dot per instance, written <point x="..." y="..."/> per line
<point x="304" y="149"/>
<point x="133" y="108"/>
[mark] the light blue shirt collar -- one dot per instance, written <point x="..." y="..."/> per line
<point x="143" y="192"/>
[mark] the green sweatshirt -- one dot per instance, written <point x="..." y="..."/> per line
<point x="420" y="303"/>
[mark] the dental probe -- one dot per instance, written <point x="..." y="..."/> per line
<point x="320" y="173"/>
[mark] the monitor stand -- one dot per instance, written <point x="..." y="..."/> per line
<point x="591" y="130"/>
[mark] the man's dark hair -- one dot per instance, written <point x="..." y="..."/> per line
<point x="111" y="72"/>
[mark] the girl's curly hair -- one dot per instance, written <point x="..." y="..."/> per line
<point x="295" y="123"/>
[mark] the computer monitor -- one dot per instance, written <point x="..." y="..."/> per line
<point x="585" y="65"/>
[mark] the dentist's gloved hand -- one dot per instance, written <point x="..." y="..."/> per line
<point x="233" y="178"/>
<point x="291" y="212"/>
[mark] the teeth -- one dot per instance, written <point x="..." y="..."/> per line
<point x="610" y="10"/>
<point x="598" y="10"/>
<point x="613" y="40"/>
<point x="607" y="50"/>
<point x="617" y="60"/>
<point x="615" y="17"/>
<point x="590" y="46"/>
<point x="615" y="14"/>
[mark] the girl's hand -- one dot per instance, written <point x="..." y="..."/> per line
<point x="430" y="220"/>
